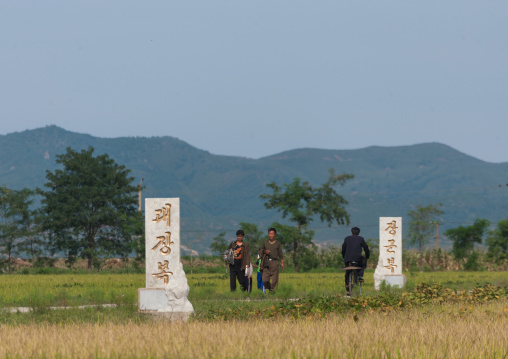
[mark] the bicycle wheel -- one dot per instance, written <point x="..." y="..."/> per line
<point x="355" y="285"/>
<point x="350" y="282"/>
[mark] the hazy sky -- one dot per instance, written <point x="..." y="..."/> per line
<point x="253" y="78"/>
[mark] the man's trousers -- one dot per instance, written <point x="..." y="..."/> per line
<point x="234" y="274"/>
<point x="271" y="273"/>
<point x="359" y="272"/>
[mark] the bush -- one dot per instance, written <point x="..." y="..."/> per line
<point x="472" y="263"/>
<point x="44" y="262"/>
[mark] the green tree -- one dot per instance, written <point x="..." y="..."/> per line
<point x="497" y="242"/>
<point x="90" y="206"/>
<point x="20" y="233"/>
<point x="253" y="236"/>
<point x="7" y="224"/>
<point x="301" y="202"/>
<point x="30" y="240"/>
<point x="421" y="225"/>
<point x="219" y="243"/>
<point x="464" y="238"/>
<point x="305" y="252"/>
<point x="137" y="228"/>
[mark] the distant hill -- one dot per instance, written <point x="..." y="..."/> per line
<point x="218" y="192"/>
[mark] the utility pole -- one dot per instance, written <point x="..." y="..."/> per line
<point x="140" y="187"/>
<point x="139" y="194"/>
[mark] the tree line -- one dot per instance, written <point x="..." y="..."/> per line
<point x="465" y="239"/>
<point x="88" y="209"/>
<point x="301" y="203"/>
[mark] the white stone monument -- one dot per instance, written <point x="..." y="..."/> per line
<point x="166" y="292"/>
<point x="389" y="265"/>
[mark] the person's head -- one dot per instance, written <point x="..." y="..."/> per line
<point x="355" y="231"/>
<point x="272" y="233"/>
<point x="239" y="235"/>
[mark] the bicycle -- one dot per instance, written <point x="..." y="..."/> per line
<point x="354" y="285"/>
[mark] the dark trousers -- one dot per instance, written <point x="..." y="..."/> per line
<point x="234" y="274"/>
<point x="359" y="272"/>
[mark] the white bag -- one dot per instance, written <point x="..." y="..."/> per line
<point x="249" y="270"/>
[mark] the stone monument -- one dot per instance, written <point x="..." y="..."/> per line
<point x="166" y="292"/>
<point x="389" y="265"/>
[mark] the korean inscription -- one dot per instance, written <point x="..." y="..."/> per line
<point x="164" y="272"/>
<point x="162" y="223"/>
<point x="166" y="291"/>
<point x="390" y="251"/>
<point x="391" y="242"/>
<point x="392" y="230"/>
<point x="165" y="240"/>
<point x="163" y="214"/>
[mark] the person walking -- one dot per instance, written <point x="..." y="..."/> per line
<point x="271" y="253"/>
<point x="259" y="277"/>
<point x="352" y="254"/>
<point x="241" y="262"/>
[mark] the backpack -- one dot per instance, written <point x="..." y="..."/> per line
<point x="229" y="255"/>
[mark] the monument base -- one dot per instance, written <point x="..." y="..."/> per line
<point x="168" y="316"/>
<point x="169" y="302"/>
<point x="396" y="280"/>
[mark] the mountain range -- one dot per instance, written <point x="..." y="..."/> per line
<point x="218" y="192"/>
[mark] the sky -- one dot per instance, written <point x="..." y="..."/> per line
<point x="254" y="78"/>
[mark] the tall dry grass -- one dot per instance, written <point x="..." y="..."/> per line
<point x="448" y="331"/>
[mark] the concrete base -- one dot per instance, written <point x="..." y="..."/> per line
<point x="168" y="316"/>
<point x="156" y="302"/>
<point x="152" y="299"/>
<point x="396" y="280"/>
<point x="380" y="275"/>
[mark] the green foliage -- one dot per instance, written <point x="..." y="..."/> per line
<point x="472" y="262"/>
<point x="30" y="239"/>
<point x="309" y="258"/>
<point x="304" y="250"/>
<point x="217" y="189"/>
<point x="219" y="243"/>
<point x="300" y="202"/>
<point x="7" y="225"/>
<point x="320" y="306"/>
<point x="90" y="207"/>
<point x="421" y="225"/>
<point x="497" y="242"/>
<point x="464" y="238"/>
<point x="212" y="299"/>
<point x="253" y="236"/>
<point x="18" y="232"/>
<point x="331" y="257"/>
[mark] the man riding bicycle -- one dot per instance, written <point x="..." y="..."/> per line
<point x="352" y="254"/>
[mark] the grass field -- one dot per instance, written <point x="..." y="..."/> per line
<point x="79" y="289"/>
<point x="445" y="331"/>
<point x="448" y="328"/>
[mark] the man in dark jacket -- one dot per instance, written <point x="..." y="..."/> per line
<point x="352" y="253"/>
<point x="242" y="261"/>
